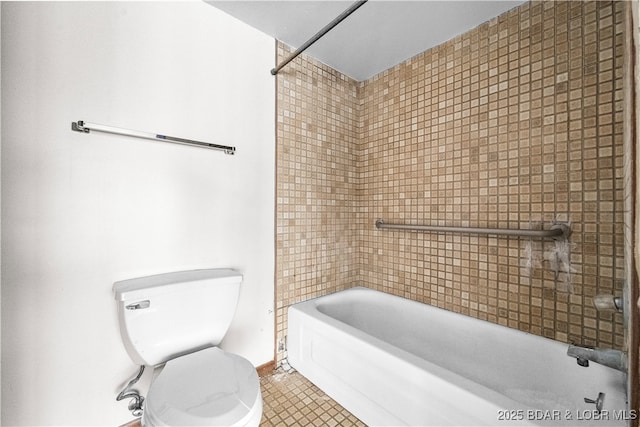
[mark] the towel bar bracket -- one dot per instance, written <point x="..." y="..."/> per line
<point x="79" y="127"/>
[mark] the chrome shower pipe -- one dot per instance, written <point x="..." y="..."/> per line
<point x="319" y="34"/>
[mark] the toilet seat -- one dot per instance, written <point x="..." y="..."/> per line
<point x="207" y="388"/>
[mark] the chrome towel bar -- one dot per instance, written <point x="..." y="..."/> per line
<point x="84" y="127"/>
<point x="556" y="231"/>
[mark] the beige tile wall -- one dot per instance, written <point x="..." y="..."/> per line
<point x="515" y="124"/>
<point x="316" y="237"/>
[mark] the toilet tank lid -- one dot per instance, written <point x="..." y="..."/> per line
<point x="125" y="290"/>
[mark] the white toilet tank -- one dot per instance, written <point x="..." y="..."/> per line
<point x="167" y="315"/>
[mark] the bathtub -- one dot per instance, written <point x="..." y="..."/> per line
<point x="391" y="361"/>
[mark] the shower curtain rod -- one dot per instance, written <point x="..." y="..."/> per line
<point x="84" y="127"/>
<point x="556" y="231"/>
<point x="319" y="34"/>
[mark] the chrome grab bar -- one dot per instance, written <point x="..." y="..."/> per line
<point x="556" y="231"/>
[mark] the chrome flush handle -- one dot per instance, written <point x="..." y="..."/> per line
<point x="139" y="305"/>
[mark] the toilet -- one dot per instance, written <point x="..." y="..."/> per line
<point x="174" y="322"/>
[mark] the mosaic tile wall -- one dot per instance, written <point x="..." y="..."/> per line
<point x="316" y="234"/>
<point x="515" y="124"/>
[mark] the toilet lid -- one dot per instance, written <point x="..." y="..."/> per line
<point x="205" y="388"/>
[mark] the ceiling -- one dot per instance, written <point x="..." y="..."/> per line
<point x="377" y="36"/>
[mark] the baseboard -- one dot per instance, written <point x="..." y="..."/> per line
<point x="266" y="369"/>
<point x="132" y="423"/>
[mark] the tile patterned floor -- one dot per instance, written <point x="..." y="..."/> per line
<point x="289" y="399"/>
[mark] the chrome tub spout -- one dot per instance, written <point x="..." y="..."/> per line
<point x="612" y="358"/>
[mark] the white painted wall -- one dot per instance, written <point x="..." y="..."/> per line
<point x="80" y="212"/>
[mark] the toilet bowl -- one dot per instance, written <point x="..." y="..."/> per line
<point x="174" y="323"/>
<point x="207" y="388"/>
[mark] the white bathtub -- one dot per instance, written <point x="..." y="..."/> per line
<point x="392" y="361"/>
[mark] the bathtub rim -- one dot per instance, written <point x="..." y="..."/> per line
<point x="493" y="397"/>
<point x="364" y="338"/>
